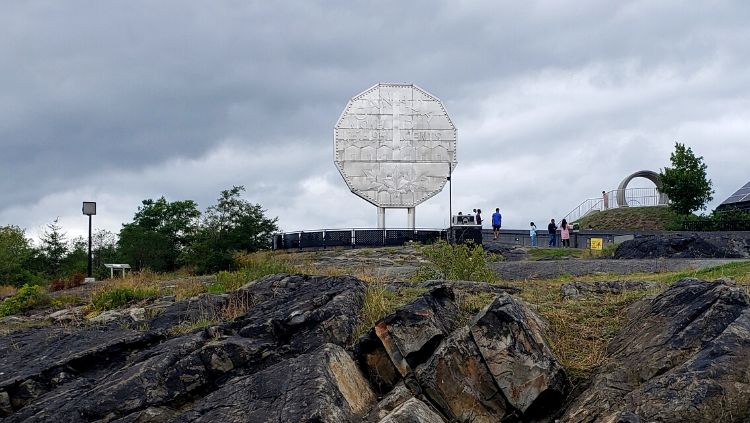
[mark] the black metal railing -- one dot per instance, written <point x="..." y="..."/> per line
<point x="326" y="238"/>
<point x="715" y="225"/>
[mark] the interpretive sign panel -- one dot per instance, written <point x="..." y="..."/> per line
<point x="597" y="243"/>
<point x="395" y="145"/>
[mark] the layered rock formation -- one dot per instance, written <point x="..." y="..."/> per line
<point x="683" y="357"/>
<point x="290" y="355"/>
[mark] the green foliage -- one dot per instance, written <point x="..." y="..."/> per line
<point x="686" y="182"/>
<point x="158" y="234"/>
<point x="643" y="218"/>
<point x="76" y="260"/>
<point x="27" y="298"/>
<point x="555" y="253"/>
<point x="54" y="248"/>
<point x="16" y="258"/>
<point x="716" y="221"/>
<point x="118" y="296"/>
<point x="252" y="266"/>
<point x="232" y="225"/>
<point x="104" y="250"/>
<point x="143" y="248"/>
<point x="455" y="262"/>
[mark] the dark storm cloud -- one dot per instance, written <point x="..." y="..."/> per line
<point x="113" y="97"/>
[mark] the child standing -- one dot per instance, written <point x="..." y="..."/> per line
<point x="532" y="233"/>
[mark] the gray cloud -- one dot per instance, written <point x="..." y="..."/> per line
<point x="121" y="101"/>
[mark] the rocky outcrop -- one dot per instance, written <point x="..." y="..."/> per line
<point x="290" y="329"/>
<point x="682" y="357"/>
<point x="403" y="340"/>
<point x="499" y="367"/>
<point x="682" y="246"/>
<point x="580" y="289"/>
<point x="322" y="386"/>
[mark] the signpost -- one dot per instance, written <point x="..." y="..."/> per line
<point x="597" y="243"/>
<point x="89" y="209"/>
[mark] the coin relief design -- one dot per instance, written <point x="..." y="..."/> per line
<point x="394" y="145"/>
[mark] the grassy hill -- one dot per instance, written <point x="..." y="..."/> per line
<point x="644" y="218"/>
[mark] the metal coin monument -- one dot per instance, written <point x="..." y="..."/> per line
<point x="395" y="147"/>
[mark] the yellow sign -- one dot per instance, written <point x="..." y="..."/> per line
<point x="596" y="243"/>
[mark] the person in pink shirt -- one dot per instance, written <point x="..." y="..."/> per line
<point x="565" y="233"/>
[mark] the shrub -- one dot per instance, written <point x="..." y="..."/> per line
<point x="27" y="298"/>
<point x="118" y="296"/>
<point x="76" y="279"/>
<point x="455" y="262"/>
<point x="57" y="284"/>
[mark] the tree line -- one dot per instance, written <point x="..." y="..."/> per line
<point x="163" y="236"/>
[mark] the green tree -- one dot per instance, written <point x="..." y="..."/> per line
<point x="231" y="225"/>
<point x="686" y="182"/>
<point x="54" y="248"/>
<point x="104" y="250"/>
<point x="16" y="252"/>
<point x="159" y="232"/>
<point x="76" y="259"/>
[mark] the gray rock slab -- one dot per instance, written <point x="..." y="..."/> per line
<point x="682" y="357"/>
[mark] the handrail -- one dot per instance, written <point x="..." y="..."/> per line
<point x="634" y="197"/>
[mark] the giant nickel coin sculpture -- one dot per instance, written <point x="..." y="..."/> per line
<point x="395" y="146"/>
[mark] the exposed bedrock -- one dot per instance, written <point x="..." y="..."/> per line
<point x="497" y="367"/>
<point x="684" y="356"/>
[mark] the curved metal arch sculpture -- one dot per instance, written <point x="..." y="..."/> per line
<point x="648" y="174"/>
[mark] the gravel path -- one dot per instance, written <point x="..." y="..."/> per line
<point x="519" y="270"/>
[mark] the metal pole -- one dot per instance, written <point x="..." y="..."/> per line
<point x="450" y="202"/>
<point x="89" y="266"/>
<point x="381" y="217"/>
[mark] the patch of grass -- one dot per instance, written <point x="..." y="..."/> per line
<point x="252" y="266"/>
<point x="187" y="327"/>
<point x="471" y="304"/>
<point x="643" y="218"/>
<point x="67" y="300"/>
<point x="380" y="302"/>
<point x="116" y="296"/>
<point x="238" y="305"/>
<point x="7" y="291"/>
<point x="555" y="253"/>
<point x="27" y="298"/>
<point x="188" y="288"/>
<point x="740" y="271"/>
<point x="580" y="329"/>
<point x="455" y="262"/>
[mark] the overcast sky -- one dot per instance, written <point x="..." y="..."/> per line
<point x="119" y="101"/>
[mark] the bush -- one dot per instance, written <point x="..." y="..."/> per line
<point x="76" y="279"/>
<point x="118" y="296"/>
<point x="455" y="262"/>
<point x="28" y="297"/>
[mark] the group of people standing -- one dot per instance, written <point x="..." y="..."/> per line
<point x="497" y="220"/>
<point x="552" y="232"/>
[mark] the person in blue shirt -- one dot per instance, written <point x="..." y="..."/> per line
<point x="532" y="233"/>
<point x="497" y="220"/>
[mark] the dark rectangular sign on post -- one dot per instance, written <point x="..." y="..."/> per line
<point x="89" y="208"/>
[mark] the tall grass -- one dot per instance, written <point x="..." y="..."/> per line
<point x="455" y="262"/>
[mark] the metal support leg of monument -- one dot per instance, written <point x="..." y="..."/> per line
<point x="412" y="218"/>
<point x="381" y="217"/>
